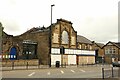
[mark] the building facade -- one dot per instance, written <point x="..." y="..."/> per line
<point x="35" y="44"/>
<point x="112" y="52"/>
<point x="98" y="47"/>
<point x="64" y="35"/>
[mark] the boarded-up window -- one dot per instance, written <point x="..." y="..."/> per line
<point x="55" y="38"/>
<point x="80" y="46"/>
<point x="90" y="47"/>
<point x="72" y="40"/>
<point x="64" y="37"/>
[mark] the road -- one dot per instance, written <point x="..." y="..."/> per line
<point x="69" y="72"/>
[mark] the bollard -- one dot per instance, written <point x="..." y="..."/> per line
<point x="119" y="72"/>
<point x="65" y="64"/>
<point x="12" y="65"/>
<point x="27" y="65"/>
<point x="103" y="73"/>
<point x="112" y="73"/>
<point x="38" y="66"/>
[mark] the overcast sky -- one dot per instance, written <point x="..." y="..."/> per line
<point x="97" y="20"/>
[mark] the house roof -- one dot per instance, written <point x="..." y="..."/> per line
<point x="63" y="20"/>
<point x="82" y="39"/>
<point x="5" y="34"/>
<point x="36" y="29"/>
<point x="117" y="44"/>
<point x="100" y="44"/>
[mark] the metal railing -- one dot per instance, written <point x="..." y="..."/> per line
<point x="112" y="72"/>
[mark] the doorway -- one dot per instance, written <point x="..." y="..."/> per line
<point x="13" y="53"/>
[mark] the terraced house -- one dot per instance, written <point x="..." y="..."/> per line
<point x="67" y="46"/>
<point x="112" y="51"/>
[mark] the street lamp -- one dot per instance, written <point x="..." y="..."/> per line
<point x="50" y="38"/>
<point x="51" y="13"/>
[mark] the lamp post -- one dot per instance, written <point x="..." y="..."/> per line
<point x="1" y="35"/>
<point x="51" y="13"/>
<point x="50" y="38"/>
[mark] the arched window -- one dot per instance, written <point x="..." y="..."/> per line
<point x="64" y="37"/>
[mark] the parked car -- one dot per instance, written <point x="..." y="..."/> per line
<point x="116" y="64"/>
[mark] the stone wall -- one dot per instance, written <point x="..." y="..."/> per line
<point x="40" y="37"/>
<point x="57" y="30"/>
<point x="9" y="63"/>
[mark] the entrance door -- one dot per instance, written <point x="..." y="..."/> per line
<point x="96" y="56"/>
<point x="13" y="53"/>
<point x="77" y="59"/>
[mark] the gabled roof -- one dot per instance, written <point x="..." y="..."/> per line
<point x="117" y="44"/>
<point x="5" y="34"/>
<point x="82" y="39"/>
<point x="99" y="44"/>
<point x="63" y="20"/>
<point x="36" y="29"/>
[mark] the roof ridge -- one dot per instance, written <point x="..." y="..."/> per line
<point x="83" y="39"/>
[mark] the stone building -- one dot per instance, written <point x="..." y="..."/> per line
<point x="98" y="47"/>
<point x="112" y="51"/>
<point x="86" y="45"/>
<point x="35" y="44"/>
<point x="63" y="34"/>
<point x="6" y="41"/>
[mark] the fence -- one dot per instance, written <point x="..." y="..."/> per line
<point x="113" y="72"/>
<point x="22" y="64"/>
<point x="28" y="64"/>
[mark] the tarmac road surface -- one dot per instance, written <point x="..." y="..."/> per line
<point x="69" y="72"/>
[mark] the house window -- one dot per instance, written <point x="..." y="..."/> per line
<point x="64" y="37"/>
<point x="86" y="46"/>
<point x="114" y="51"/>
<point x="106" y="51"/>
<point x="80" y="46"/>
<point x="90" y="47"/>
<point x="110" y="51"/>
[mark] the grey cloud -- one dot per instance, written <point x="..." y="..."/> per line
<point x="10" y="26"/>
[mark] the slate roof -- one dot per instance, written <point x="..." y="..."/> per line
<point x="99" y="44"/>
<point x="117" y="44"/>
<point x="82" y="39"/>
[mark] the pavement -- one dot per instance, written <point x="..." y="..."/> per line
<point x="46" y="66"/>
<point x="68" y="72"/>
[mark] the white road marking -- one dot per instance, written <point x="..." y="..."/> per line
<point x="108" y="76"/>
<point x="82" y="70"/>
<point x="73" y="71"/>
<point x="31" y="74"/>
<point x="62" y="72"/>
<point x="48" y="73"/>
